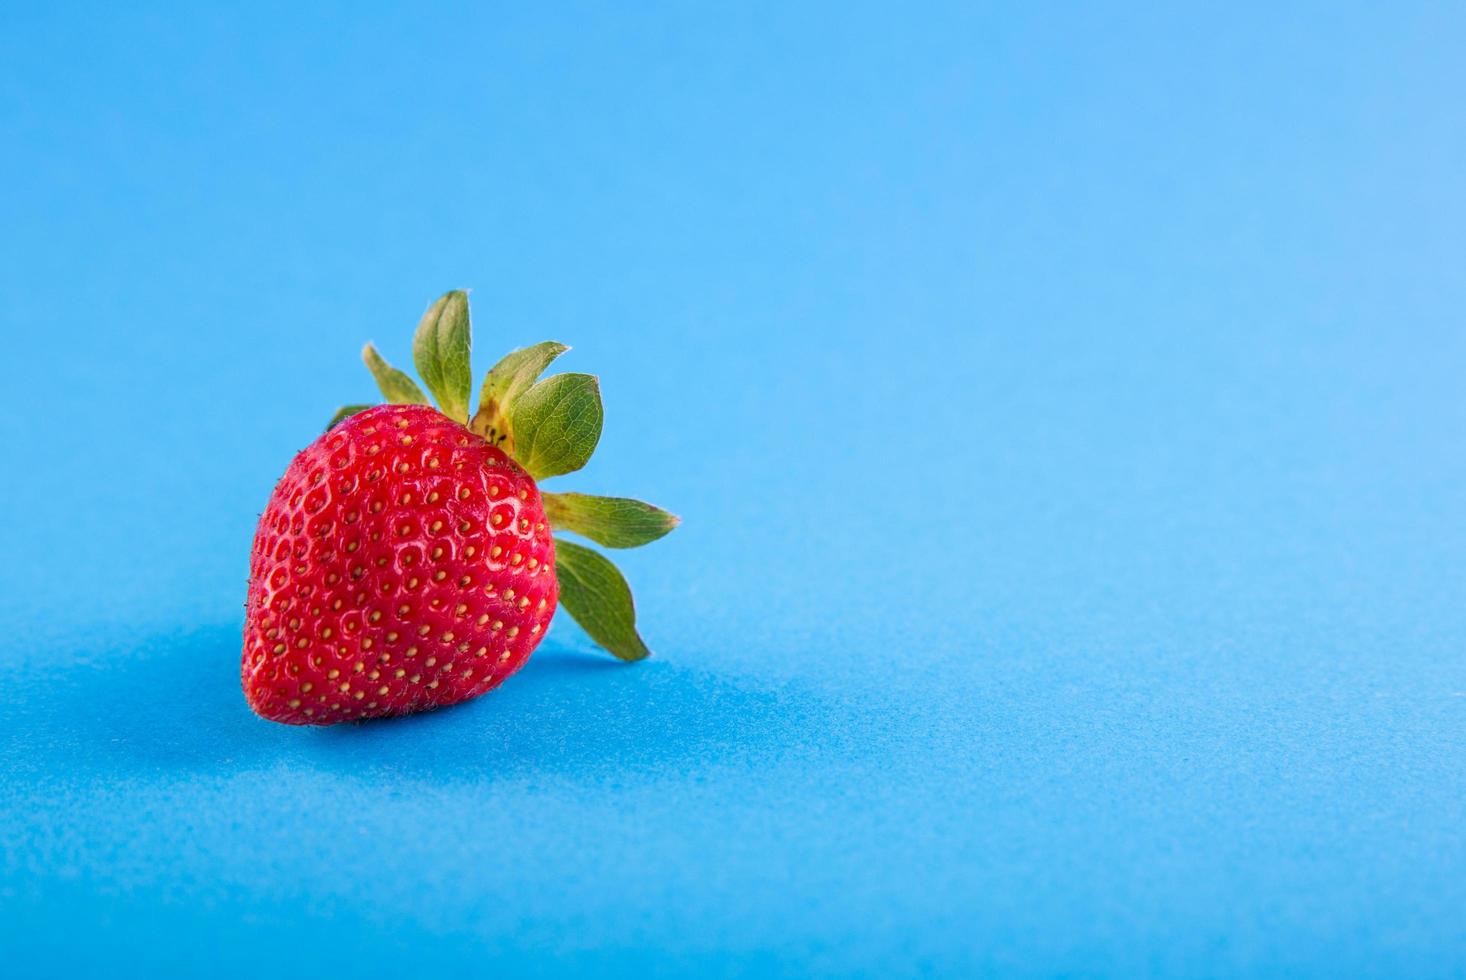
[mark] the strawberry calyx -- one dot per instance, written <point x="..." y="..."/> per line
<point x="515" y="373"/>
<point x="550" y="427"/>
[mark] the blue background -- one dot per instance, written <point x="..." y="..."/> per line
<point x="1065" y="408"/>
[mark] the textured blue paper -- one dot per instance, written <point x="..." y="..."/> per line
<point x="1066" y="411"/>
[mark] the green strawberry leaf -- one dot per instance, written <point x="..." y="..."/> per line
<point x="556" y="424"/>
<point x="345" y="412"/>
<point x="506" y="381"/>
<point x="597" y="597"/>
<point x="440" y="349"/>
<point x="616" y="522"/>
<point x="396" y="386"/>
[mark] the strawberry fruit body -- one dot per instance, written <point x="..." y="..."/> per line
<point x="402" y="563"/>
<point x="405" y="560"/>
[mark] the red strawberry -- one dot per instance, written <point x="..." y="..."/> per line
<point x="405" y="561"/>
<point x="402" y="563"/>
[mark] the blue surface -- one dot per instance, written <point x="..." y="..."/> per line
<point x="1065" y="409"/>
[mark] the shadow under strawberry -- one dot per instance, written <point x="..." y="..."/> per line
<point x="169" y="706"/>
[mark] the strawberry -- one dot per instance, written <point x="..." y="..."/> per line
<point x="405" y="559"/>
